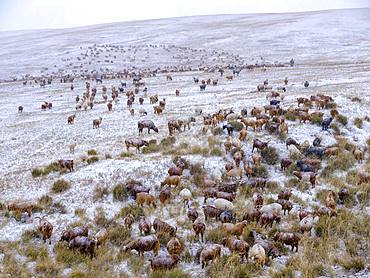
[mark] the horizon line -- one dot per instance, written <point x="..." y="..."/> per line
<point x="175" y="17"/>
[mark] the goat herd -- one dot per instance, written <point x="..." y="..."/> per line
<point x="305" y="159"/>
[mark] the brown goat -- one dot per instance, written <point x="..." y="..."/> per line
<point x="144" y="197"/>
<point x="145" y="226"/>
<point x="144" y="244"/>
<point x="291" y="239"/>
<point x="234" y="229"/>
<point x="171" y="180"/>
<point x="209" y="253"/>
<point x="236" y="246"/>
<point x="45" y="228"/>
<point x="97" y="123"/>
<point x="129" y="220"/>
<point x="199" y="229"/>
<point x="21" y="207"/>
<point x="174" y="246"/>
<point x="164" y="262"/>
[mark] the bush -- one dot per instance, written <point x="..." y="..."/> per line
<point x="331" y="105"/>
<point x="199" y="150"/>
<point x="336" y="129"/>
<point x="47" y="268"/>
<point x="69" y="256"/>
<point x="45" y="201"/>
<point x="260" y="172"/>
<point x="358" y="122"/>
<point x="290" y="116"/>
<point x="27" y="235"/>
<point x="35" y="252"/>
<point x="60" y="186"/>
<point x="119" y="235"/>
<point x="215" y="235"/>
<point x="108" y="156"/>
<point x="270" y="155"/>
<point x="172" y="273"/>
<point x="217" y="131"/>
<point x="151" y="148"/>
<point x="356" y="99"/>
<point x="342" y="119"/>
<point x="92" y="152"/>
<point x="353" y="263"/>
<point x="178" y="159"/>
<point x="100" y="192"/>
<point x="37" y="172"/>
<point x="238" y="126"/>
<point x="92" y="159"/>
<point x="80" y="212"/>
<point x="230" y="266"/>
<point x="59" y="208"/>
<point x="342" y="162"/>
<point x="167" y="142"/>
<point x="216" y="151"/>
<point x="100" y="219"/>
<point x="316" y="119"/>
<point x="119" y="192"/>
<point x="135" y="210"/>
<point x="52" y="167"/>
<point x="126" y="154"/>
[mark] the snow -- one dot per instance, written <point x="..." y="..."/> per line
<point x="331" y="50"/>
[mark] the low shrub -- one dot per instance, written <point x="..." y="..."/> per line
<point x="92" y="152"/>
<point x="46" y="267"/>
<point x="342" y="119"/>
<point x="260" y="172"/>
<point x="151" y="148"/>
<point x="216" y="151"/>
<point x="80" y="212"/>
<point x="28" y="235"/>
<point x="217" y="131"/>
<point x="213" y="141"/>
<point x="352" y="263"/>
<point x="60" y="186"/>
<point x="45" y="201"/>
<point x="270" y="155"/>
<point x="119" y="235"/>
<point x="331" y="105"/>
<point x="291" y="116"/>
<point x="199" y="150"/>
<point x="35" y="252"/>
<point x="119" y="192"/>
<point x="316" y="119"/>
<point x="126" y="154"/>
<point x="358" y="122"/>
<point x="100" y="191"/>
<point x="172" y="273"/>
<point x="108" y="156"/>
<point x="356" y="99"/>
<point x="37" y="172"/>
<point x="135" y="210"/>
<point x="100" y="218"/>
<point x="92" y="159"/>
<point x="68" y="256"/>
<point x="215" y="235"/>
<point x="238" y="126"/>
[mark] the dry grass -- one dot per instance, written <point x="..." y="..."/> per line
<point x="92" y="152"/>
<point x="270" y="155"/>
<point x="60" y="186"/>
<point x="92" y="159"/>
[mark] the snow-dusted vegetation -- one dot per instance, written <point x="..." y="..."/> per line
<point x="68" y="162"/>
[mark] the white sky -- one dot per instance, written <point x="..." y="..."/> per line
<point x="35" y="14"/>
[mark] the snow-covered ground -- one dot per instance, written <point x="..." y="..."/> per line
<point x="331" y="50"/>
